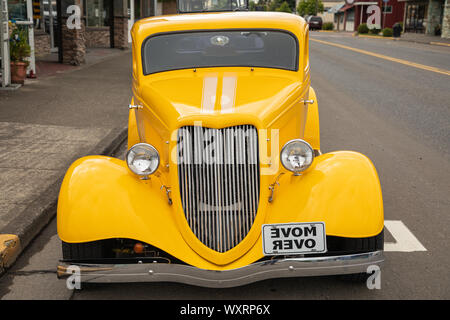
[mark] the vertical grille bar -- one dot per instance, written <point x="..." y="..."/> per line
<point x="218" y="172"/>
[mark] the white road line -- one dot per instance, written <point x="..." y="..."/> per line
<point x="405" y="240"/>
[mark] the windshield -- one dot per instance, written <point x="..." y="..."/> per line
<point x="185" y="6"/>
<point x="243" y="48"/>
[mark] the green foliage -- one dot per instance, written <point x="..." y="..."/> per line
<point x="328" y="26"/>
<point x="309" y="7"/>
<point x="19" y="49"/>
<point x="258" y="5"/>
<point x="374" y="31"/>
<point x="387" y="32"/>
<point x="362" y="28"/>
<point x="284" y="7"/>
<point x="275" y="5"/>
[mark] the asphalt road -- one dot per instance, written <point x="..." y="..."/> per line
<point x="396" y="114"/>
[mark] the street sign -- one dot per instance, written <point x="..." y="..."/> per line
<point x="36" y="10"/>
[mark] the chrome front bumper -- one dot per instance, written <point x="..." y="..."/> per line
<point x="276" y="268"/>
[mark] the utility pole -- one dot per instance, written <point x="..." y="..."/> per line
<point x="4" y="44"/>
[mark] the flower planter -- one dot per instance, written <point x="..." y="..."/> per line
<point x="18" y="72"/>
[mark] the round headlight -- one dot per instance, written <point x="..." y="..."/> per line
<point x="142" y="159"/>
<point x="297" y="155"/>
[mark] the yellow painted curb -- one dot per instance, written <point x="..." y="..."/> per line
<point x="9" y="249"/>
<point x="375" y="37"/>
<point x="441" y="44"/>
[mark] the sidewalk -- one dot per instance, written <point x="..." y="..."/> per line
<point x="48" y="65"/>
<point x="424" y="38"/>
<point x="64" y="114"/>
<point x="412" y="37"/>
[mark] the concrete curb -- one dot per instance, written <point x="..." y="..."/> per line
<point x="17" y="234"/>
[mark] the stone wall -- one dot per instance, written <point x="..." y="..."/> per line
<point x="97" y="37"/>
<point x="169" y="7"/>
<point x="446" y="21"/>
<point x="434" y="16"/>
<point x="42" y="44"/>
<point x="74" y="44"/>
<point x="121" y="32"/>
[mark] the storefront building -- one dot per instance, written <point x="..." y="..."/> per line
<point x="431" y="17"/>
<point x="104" y="24"/>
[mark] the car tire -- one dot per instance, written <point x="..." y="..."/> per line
<point x="83" y="251"/>
<point x="364" y="245"/>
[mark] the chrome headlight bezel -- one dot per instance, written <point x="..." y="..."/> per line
<point x="150" y="150"/>
<point x="304" y="144"/>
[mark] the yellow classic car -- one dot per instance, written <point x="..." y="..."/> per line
<point x="224" y="182"/>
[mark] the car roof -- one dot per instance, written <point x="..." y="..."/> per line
<point x="219" y="20"/>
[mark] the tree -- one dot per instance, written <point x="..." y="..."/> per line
<point x="274" y="5"/>
<point x="284" y="7"/>
<point x="309" y="7"/>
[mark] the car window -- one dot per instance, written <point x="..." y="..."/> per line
<point x="221" y="48"/>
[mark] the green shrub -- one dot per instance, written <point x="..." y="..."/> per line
<point x="362" y="28"/>
<point x="374" y="31"/>
<point x="328" y="26"/>
<point x="387" y="32"/>
<point x="19" y="49"/>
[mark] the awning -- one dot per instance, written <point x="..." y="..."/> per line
<point x="336" y="8"/>
<point x="346" y="7"/>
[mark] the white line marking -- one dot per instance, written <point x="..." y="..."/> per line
<point x="405" y="240"/>
<point x="209" y="94"/>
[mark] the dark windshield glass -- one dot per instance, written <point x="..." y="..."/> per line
<point x="252" y="48"/>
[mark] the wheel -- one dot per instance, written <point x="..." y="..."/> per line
<point x="364" y="245"/>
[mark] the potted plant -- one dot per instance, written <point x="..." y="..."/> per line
<point x="19" y="50"/>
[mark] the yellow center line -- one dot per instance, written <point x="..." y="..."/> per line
<point x="405" y="62"/>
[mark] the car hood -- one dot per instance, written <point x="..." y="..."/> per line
<point x="218" y="96"/>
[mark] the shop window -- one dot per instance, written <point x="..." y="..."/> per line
<point x="387" y="9"/>
<point x="97" y="13"/>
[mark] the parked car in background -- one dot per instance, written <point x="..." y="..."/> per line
<point x="314" y="22"/>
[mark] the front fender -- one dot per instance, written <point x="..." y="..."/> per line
<point x="341" y="189"/>
<point x="101" y="199"/>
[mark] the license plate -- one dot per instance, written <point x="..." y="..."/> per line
<point x="294" y="238"/>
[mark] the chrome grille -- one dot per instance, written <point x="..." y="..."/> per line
<point x="218" y="172"/>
